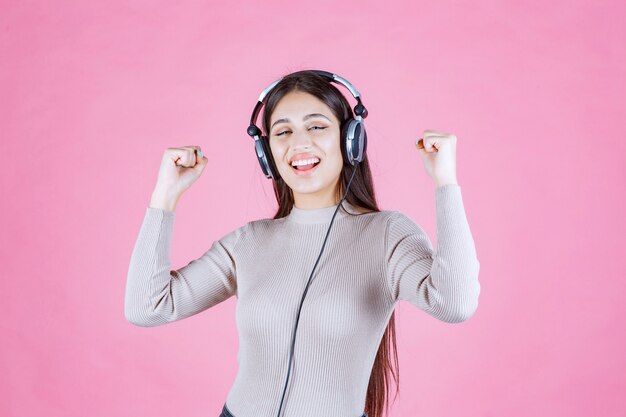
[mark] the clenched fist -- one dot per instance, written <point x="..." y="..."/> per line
<point x="180" y="168"/>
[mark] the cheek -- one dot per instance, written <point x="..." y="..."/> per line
<point x="336" y="152"/>
<point x="335" y="159"/>
<point x="276" y="151"/>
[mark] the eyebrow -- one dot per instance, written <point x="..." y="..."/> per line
<point x="305" y="118"/>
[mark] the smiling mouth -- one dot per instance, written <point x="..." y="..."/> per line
<point x="305" y="170"/>
<point x="305" y="167"/>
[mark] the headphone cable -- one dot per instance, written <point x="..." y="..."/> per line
<point x="306" y="289"/>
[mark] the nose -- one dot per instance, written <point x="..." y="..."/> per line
<point x="301" y="140"/>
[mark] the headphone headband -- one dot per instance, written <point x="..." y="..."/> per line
<point x="359" y="109"/>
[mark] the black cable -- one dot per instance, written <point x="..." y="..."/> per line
<point x="293" y="342"/>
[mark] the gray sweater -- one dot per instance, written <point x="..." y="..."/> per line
<point x="371" y="261"/>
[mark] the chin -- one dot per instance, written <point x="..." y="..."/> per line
<point x="320" y="181"/>
<point x="307" y="188"/>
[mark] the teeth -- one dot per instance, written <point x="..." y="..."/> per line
<point x="305" y="162"/>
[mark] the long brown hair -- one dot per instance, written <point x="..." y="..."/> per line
<point x="361" y="195"/>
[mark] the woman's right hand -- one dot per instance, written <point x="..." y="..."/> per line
<point x="180" y="168"/>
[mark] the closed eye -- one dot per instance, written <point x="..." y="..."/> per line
<point x="313" y="127"/>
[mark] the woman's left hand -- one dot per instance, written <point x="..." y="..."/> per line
<point x="438" y="151"/>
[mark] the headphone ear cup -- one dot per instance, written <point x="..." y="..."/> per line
<point x="346" y="141"/>
<point x="364" y="143"/>
<point x="261" y="157"/>
<point x="267" y="163"/>
<point x="354" y="141"/>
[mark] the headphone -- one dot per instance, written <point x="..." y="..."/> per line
<point x="353" y="134"/>
<point x="353" y="147"/>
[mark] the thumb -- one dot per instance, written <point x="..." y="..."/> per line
<point x="201" y="160"/>
<point x="201" y="164"/>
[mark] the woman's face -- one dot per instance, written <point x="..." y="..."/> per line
<point x="302" y="127"/>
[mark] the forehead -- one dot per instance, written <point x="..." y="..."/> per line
<point x="297" y="104"/>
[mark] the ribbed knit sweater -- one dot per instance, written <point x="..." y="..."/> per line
<point x="370" y="262"/>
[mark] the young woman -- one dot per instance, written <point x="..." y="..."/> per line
<point x="339" y="361"/>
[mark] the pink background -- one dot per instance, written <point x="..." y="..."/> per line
<point x="93" y="93"/>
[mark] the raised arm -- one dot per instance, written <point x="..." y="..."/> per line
<point x="155" y="294"/>
<point x="443" y="284"/>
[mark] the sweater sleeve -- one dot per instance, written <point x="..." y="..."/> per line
<point x="155" y="294"/>
<point x="443" y="283"/>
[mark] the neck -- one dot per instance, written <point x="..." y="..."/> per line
<point x="322" y="215"/>
<point x="318" y="200"/>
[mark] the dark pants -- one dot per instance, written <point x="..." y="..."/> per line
<point x="226" y="412"/>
